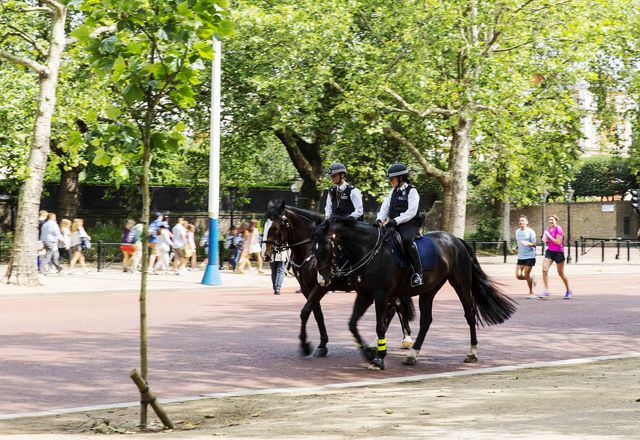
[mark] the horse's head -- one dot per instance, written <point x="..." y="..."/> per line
<point x="277" y="234"/>
<point x="322" y="247"/>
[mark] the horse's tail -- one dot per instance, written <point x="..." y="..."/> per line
<point x="407" y="308"/>
<point x="492" y="305"/>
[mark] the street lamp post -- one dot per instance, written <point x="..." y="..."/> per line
<point x="543" y="198"/>
<point x="296" y="186"/>
<point x="212" y="272"/>
<point x="568" y="195"/>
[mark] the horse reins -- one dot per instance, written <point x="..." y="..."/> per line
<point x="339" y="272"/>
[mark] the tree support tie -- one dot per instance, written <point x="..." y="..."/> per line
<point x="147" y="397"/>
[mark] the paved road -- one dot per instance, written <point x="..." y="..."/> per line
<point x="67" y="350"/>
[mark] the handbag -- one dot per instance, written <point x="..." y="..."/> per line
<point x="85" y="243"/>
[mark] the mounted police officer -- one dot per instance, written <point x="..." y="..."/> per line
<point x="343" y="199"/>
<point x="400" y="210"/>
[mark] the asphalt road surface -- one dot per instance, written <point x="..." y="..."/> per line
<point x="62" y="351"/>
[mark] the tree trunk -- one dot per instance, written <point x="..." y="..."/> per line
<point x="506" y="221"/>
<point x="146" y="204"/>
<point x="455" y="188"/>
<point x="69" y="193"/>
<point x="24" y="252"/>
<point x="307" y="160"/>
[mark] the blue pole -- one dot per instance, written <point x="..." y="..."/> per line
<point x="212" y="272"/>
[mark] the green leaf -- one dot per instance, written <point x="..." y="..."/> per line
<point x="82" y="33"/>
<point x="113" y="112"/>
<point x="101" y="158"/>
<point x="133" y="93"/>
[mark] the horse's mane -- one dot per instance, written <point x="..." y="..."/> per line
<point x="351" y="222"/>
<point x="275" y="209"/>
<point x="311" y="215"/>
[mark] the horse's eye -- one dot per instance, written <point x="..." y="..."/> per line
<point x="333" y="236"/>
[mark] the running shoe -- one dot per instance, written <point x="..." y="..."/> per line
<point x="544" y="295"/>
<point x="532" y="296"/>
<point x="568" y="295"/>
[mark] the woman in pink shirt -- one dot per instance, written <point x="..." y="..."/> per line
<point x="554" y="236"/>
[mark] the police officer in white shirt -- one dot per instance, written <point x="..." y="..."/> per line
<point x="343" y="199"/>
<point x="400" y="210"/>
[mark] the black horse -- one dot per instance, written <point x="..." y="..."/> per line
<point x="378" y="277"/>
<point x="292" y="229"/>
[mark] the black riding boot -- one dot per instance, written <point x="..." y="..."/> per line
<point x="416" y="264"/>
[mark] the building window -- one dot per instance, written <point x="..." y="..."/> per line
<point x="626" y="225"/>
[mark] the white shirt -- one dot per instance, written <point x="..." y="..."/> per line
<point x="179" y="236"/>
<point x="412" y="210"/>
<point x="356" y="199"/>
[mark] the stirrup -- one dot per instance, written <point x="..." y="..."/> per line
<point x="416" y="280"/>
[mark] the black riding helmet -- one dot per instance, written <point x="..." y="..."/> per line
<point x="397" y="170"/>
<point x="336" y="168"/>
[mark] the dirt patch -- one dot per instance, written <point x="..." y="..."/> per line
<point x="590" y="401"/>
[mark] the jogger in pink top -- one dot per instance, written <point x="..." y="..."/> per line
<point x="554" y="236"/>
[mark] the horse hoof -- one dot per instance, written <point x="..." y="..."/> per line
<point x="320" y="352"/>
<point x="370" y="353"/>
<point x="471" y="359"/>
<point x="376" y="364"/>
<point x="409" y="361"/>
<point x="406" y="345"/>
<point x="305" y="349"/>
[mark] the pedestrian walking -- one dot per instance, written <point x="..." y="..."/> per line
<point x="204" y="244"/>
<point x="277" y="263"/>
<point x="64" y="247"/>
<point x="554" y="236"/>
<point x="127" y="245"/>
<point x="51" y="236"/>
<point x="137" y="242"/>
<point x="163" y="247"/>
<point x="526" y="241"/>
<point x="80" y="242"/>
<point x="42" y="218"/>
<point x="190" y="250"/>
<point x="233" y="243"/>
<point x="179" y="238"/>
<point x="154" y="226"/>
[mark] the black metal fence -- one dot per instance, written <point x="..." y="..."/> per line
<point x="616" y="248"/>
<point x="490" y="248"/>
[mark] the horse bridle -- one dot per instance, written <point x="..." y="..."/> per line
<point x="337" y="271"/>
<point x="281" y="245"/>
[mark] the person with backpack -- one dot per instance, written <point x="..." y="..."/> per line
<point x="127" y="245"/>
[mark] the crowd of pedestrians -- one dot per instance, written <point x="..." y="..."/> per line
<point x="68" y="239"/>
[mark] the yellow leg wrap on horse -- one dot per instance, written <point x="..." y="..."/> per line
<point x="382" y="344"/>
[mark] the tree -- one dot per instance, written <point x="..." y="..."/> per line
<point x="604" y="176"/>
<point x="438" y="71"/>
<point x="153" y="56"/>
<point x="22" y="46"/>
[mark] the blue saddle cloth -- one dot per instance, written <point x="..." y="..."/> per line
<point x="426" y="249"/>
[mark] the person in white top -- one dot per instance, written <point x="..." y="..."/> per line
<point x="400" y="210"/>
<point x="343" y="199"/>
<point x="163" y="245"/>
<point x="179" y="242"/>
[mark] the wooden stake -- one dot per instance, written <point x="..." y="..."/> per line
<point x="148" y="397"/>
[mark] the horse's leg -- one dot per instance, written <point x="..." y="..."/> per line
<point x="321" y="349"/>
<point x="462" y="286"/>
<point x="395" y="307"/>
<point x="377" y="363"/>
<point x="360" y="306"/>
<point x="407" y="342"/>
<point x="312" y="304"/>
<point x="426" y="318"/>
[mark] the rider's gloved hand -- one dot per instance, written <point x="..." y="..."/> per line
<point x="392" y="223"/>
<point x="377" y="224"/>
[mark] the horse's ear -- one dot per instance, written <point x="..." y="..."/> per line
<point x="281" y="207"/>
<point x="324" y="226"/>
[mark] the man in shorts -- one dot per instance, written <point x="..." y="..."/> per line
<point x="179" y="241"/>
<point x="526" y="240"/>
